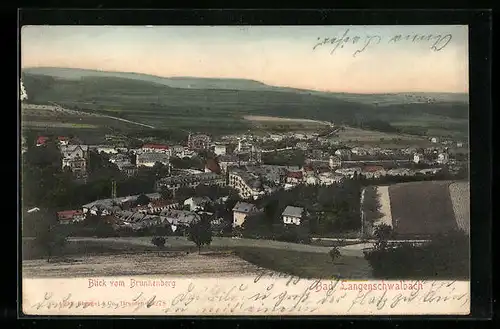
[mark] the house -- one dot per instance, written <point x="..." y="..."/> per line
<point x="177" y="150"/>
<point x="173" y="183"/>
<point x="241" y="211"/>
<point x="127" y="168"/>
<point x="198" y="142"/>
<point x="329" y="178"/>
<point x="334" y="162"/>
<point x="292" y="215"/>
<point x="359" y="151"/>
<point x="156" y="148"/>
<point x="74" y="157"/>
<point x="373" y="171"/>
<point x="442" y="158"/>
<point x="197" y="203"/>
<point x="41" y="140"/>
<point x="294" y="177"/>
<point x="418" y="157"/>
<point x="70" y="216"/>
<point x="63" y="140"/>
<point x="220" y="149"/>
<point x="149" y="159"/>
<point x="304" y="146"/>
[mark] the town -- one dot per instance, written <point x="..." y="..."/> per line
<point x="231" y="179"/>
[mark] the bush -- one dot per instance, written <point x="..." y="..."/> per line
<point x="158" y="241"/>
<point x="334" y="253"/>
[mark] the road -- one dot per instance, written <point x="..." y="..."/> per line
<point x="102" y="116"/>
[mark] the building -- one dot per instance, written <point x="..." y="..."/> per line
<point x="156" y="148"/>
<point x="177" y="150"/>
<point x="292" y="215"/>
<point x="70" y="216"/>
<point x="294" y="177"/>
<point x="248" y="185"/>
<point x="127" y="168"/>
<point x="418" y="157"/>
<point x="190" y="181"/>
<point x="241" y="211"/>
<point x="198" y="142"/>
<point x="434" y="140"/>
<point x="442" y="158"/>
<point x="63" y="141"/>
<point x="149" y="159"/>
<point x="220" y="149"/>
<point x="41" y="140"/>
<point x="197" y="203"/>
<point x="373" y="171"/>
<point x="304" y="146"/>
<point x="74" y="158"/>
<point x="334" y="162"/>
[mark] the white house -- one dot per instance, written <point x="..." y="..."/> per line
<point x="292" y="215"/>
<point x="418" y="157"/>
<point x="220" y="149"/>
<point x="241" y="211"/>
<point x="442" y="158"/>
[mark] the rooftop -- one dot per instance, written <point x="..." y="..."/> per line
<point x="244" y="207"/>
<point x="292" y="211"/>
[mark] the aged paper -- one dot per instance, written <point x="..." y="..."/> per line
<point x="258" y="170"/>
<point x="242" y="296"/>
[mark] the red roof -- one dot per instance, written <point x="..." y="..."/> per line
<point x="295" y="174"/>
<point x="41" y="140"/>
<point x="213" y="166"/>
<point x="373" y="168"/>
<point x="155" y="146"/>
<point x="68" y="214"/>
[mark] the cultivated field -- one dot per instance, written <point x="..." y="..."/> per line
<point x="361" y="135"/>
<point x="422" y="208"/>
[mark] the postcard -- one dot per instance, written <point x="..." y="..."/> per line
<point x="244" y="170"/>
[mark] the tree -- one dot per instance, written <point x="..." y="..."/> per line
<point x="200" y="232"/>
<point x="334" y="254"/>
<point x="382" y="233"/>
<point x="47" y="235"/>
<point x="158" y="241"/>
<point x="143" y="200"/>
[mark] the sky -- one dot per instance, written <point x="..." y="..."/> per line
<point x="354" y="59"/>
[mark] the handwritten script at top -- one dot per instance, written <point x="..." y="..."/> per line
<point x="436" y="42"/>
<point x="262" y="296"/>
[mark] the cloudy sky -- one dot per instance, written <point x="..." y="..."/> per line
<point x="360" y="59"/>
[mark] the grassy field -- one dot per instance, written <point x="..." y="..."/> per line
<point x="224" y="257"/>
<point x="213" y="107"/>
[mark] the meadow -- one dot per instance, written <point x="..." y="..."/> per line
<point x="222" y="111"/>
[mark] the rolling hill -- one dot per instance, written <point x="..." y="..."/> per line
<point x="186" y="101"/>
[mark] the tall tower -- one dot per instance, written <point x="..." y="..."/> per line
<point x="113" y="189"/>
